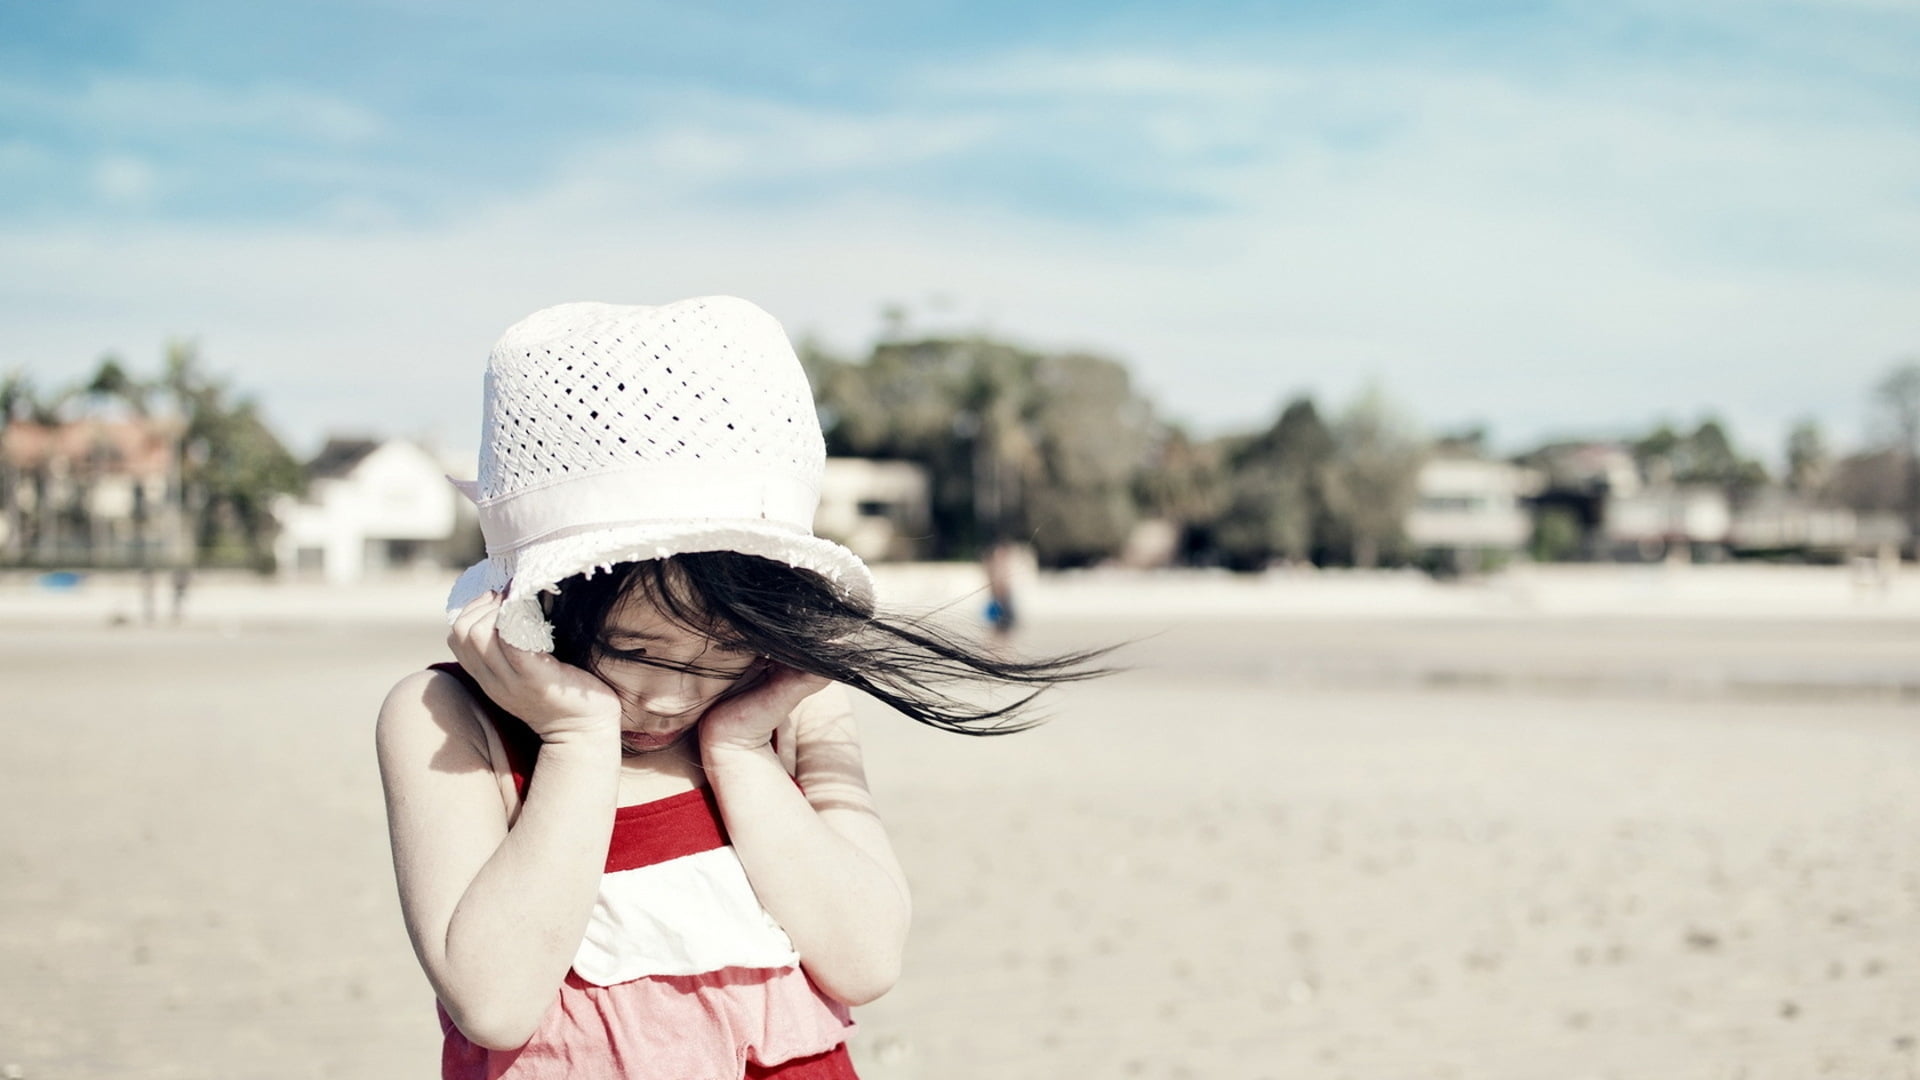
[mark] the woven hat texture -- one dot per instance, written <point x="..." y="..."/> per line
<point x="615" y="433"/>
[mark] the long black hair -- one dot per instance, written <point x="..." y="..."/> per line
<point x="797" y="618"/>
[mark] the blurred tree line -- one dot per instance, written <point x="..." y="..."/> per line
<point x="1885" y="477"/>
<point x="228" y="465"/>
<point x="1882" y="478"/>
<point x="1017" y="444"/>
<point x="1060" y="451"/>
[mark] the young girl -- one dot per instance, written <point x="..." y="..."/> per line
<point x="630" y="824"/>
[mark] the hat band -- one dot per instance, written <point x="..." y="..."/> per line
<point x="630" y="496"/>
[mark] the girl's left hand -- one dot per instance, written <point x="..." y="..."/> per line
<point x="746" y="720"/>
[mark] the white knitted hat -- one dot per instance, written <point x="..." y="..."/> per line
<point x="619" y="433"/>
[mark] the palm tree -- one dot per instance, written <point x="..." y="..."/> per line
<point x="111" y="383"/>
<point x="231" y="464"/>
<point x="18" y="402"/>
<point x="1898" y="398"/>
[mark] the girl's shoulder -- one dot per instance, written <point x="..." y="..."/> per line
<point x="432" y="704"/>
<point x="442" y="714"/>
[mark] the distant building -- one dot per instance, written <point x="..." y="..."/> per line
<point x="881" y="510"/>
<point x="372" y="507"/>
<point x="1604" y="468"/>
<point x="1471" y="512"/>
<point x="94" y="491"/>
<point x="1578" y="482"/>
<point x="1656" y="522"/>
<point x="1777" y="522"/>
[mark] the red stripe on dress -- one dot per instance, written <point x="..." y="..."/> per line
<point x="684" y="824"/>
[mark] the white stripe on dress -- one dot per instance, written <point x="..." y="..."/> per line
<point x="685" y="916"/>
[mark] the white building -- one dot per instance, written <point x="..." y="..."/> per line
<point x="881" y="510"/>
<point x="1657" y="518"/>
<point x="372" y="507"/>
<point x="1601" y="467"/>
<point x="1467" y="508"/>
<point x="1781" y="521"/>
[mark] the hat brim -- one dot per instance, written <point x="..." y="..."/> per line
<point x="540" y="566"/>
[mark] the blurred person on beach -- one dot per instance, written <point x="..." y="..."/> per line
<point x="999" y="566"/>
<point x="182" y="582"/>
<point x="630" y="823"/>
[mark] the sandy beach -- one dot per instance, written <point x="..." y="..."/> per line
<point x="1570" y="827"/>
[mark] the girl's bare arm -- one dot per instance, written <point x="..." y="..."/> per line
<point x="495" y="915"/>
<point x="817" y="853"/>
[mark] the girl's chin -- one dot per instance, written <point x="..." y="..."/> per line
<point x="647" y="742"/>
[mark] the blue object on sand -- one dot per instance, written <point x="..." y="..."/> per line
<point x="61" y="580"/>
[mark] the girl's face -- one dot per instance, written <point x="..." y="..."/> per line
<point x="667" y="675"/>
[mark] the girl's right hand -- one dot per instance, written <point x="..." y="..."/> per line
<point x="557" y="700"/>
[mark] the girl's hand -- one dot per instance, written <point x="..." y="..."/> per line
<point x="557" y="700"/>
<point x="745" y="718"/>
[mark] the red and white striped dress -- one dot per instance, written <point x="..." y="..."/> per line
<point x="681" y="974"/>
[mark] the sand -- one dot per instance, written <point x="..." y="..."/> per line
<point x="1471" y="843"/>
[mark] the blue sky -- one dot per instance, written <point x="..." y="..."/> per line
<point x="1550" y="218"/>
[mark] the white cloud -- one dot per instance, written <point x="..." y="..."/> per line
<point x="115" y="106"/>
<point x="1051" y="76"/>
<point x="123" y="180"/>
<point x="20" y="157"/>
<point x="709" y="139"/>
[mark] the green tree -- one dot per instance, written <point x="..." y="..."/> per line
<point x="1092" y="436"/>
<point x="1705" y="456"/>
<point x="1808" y="462"/>
<point x="1375" y="479"/>
<point x="1048" y="447"/>
<point x="956" y="407"/>
<point x="22" y="491"/>
<point x="1556" y="535"/>
<point x="1656" y="454"/>
<point x="1269" y="514"/>
<point x="232" y="464"/>
<point x="17" y="398"/>
<point x="1897" y="397"/>
<point x="1184" y="481"/>
<point x="1277" y="503"/>
<point x="111" y="384"/>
